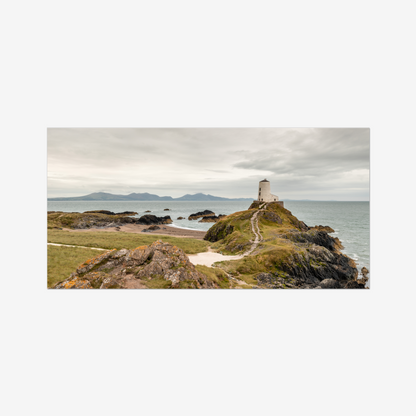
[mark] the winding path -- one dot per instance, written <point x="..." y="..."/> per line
<point x="258" y="238"/>
<point x="209" y="257"/>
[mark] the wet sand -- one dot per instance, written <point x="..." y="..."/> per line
<point x="164" y="230"/>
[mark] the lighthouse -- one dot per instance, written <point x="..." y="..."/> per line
<point x="264" y="194"/>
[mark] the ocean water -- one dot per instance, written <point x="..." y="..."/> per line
<point x="350" y="220"/>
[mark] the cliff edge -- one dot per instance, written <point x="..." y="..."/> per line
<point x="288" y="253"/>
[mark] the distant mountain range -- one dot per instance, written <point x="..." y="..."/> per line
<point x="104" y="196"/>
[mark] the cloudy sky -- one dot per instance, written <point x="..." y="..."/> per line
<point x="300" y="163"/>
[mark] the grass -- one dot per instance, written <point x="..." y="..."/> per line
<point x="119" y="240"/>
<point x="62" y="261"/>
<point x="71" y="219"/>
<point x="157" y="283"/>
<point x="215" y="274"/>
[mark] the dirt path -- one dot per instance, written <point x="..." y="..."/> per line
<point x="258" y="238"/>
<point x="209" y="257"/>
<point x="66" y="245"/>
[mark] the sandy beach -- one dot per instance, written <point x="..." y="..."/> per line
<point x="164" y="230"/>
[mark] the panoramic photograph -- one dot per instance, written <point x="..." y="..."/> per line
<point x="208" y="208"/>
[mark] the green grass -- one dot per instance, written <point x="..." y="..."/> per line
<point x="215" y="274"/>
<point x="71" y="219"/>
<point x="62" y="261"/>
<point x="119" y="240"/>
<point x="156" y="283"/>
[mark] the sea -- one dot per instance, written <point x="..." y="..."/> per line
<point x="349" y="219"/>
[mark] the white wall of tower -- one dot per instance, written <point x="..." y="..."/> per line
<point x="264" y="193"/>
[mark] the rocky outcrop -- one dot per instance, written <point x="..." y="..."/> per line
<point x="270" y="216"/>
<point x="166" y="209"/>
<point x="354" y="284"/>
<point x="152" y="219"/>
<point x="209" y="219"/>
<point x="364" y="276"/>
<point x="151" y="229"/>
<point x="329" y="284"/>
<point x="200" y="214"/>
<point x="288" y="255"/>
<point x="138" y="268"/>
<point x="274" y="281"/>
<point x="325" y="228"/>
<point x="320" y="238"/>
<point x="308" y="268"/>
<point x="180" y="218"/>
<point x="130" y="213"/>
<point x="212" y="218"/>
<point x="76" y="220"/>
<point x="219" y="232"/>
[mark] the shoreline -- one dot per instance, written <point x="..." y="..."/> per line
<point x="138" y="229"/>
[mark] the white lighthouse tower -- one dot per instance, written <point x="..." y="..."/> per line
<point x="264" y="192"/>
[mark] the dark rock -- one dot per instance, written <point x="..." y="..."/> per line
<point x="102" y="211"/>
<point x="322" y="228"/>
<point x="166" y="209"/>
<point x="320" y="238"/>
<point x="209" y="219"/>
<point x="154" y="227"/>
<point x="364" y="278"/>
<point x="265" y="278"/>
<point x="148" y="211"/>
<point x="151" y="228"/>
<point x="200" y="214"/>
<point x="353" y="284"/>
<point x="274" y="281"/>
<point x="152" y="219"/>
<point x="270" y="216"/>
<point x="329" y="284"/>
<point x="181" y="218"/>
<point x="218" y="232"/>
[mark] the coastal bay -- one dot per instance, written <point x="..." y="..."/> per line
<point x="247" y="249"/>
<point x="349" y="219"/>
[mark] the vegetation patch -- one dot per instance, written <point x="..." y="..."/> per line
<point x="156" y="283"/>
<point x="215" y="274"/>
<point x="119" y="240"/>
<point x="62" y="261"/>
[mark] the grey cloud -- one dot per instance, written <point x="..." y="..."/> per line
<point x="328" y="163"/>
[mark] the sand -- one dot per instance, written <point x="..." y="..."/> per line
<point x="208" y="258"/>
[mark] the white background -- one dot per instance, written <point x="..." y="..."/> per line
<point x="207" y="64"/>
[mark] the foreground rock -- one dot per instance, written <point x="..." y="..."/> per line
<point x="200" y="214"/>
<point x="158" y="265"/>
